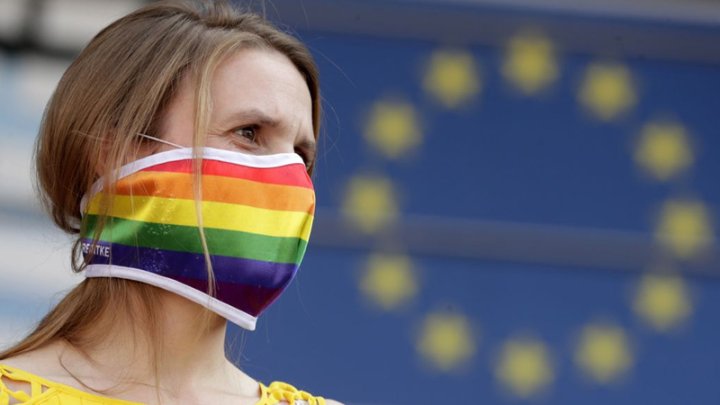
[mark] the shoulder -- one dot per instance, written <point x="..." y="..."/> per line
<point x="19" y="384"/>
<point x="42" y="363"/>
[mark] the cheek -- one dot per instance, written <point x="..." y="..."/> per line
<point x="179" y="132"/>
<point x="221" y="142"/>
<point x="178" y="121"/>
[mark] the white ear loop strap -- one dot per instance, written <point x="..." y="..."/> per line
<point x="160" y="140"/>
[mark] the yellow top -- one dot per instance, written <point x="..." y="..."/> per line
<point x="44" y="392"/>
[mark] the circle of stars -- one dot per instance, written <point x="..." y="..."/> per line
<point x="608" y="91"/>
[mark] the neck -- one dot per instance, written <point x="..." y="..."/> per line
<point x="180" y="347"/>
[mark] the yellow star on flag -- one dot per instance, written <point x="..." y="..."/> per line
<point x="524" y="367"/>
<point x="530" y="62"/>
<point x="664" y="150"/>
<point x="452" y="77"/>
<point x="370" y="203"/>
<point x="662" y="301"/>
<point x="389" y="281"/>
<point x="607" y="90"/>
<point x="446" y="341"/>
<point x="603" y="352"/>
<point x="684" y="228"/>
<point x="393" y="128"/>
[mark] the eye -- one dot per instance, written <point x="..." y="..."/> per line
<point x="248" y="133"/>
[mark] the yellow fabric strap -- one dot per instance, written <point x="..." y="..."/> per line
<point x="280" y="391"/>
<point x="21" y="396"/>
<point x="275" y="393"/>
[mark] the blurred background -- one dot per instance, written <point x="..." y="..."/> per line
<point x="518" y="200"/>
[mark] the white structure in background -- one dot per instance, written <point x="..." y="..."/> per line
<point x="64" y="24"/>
<point x="70" y="24"/>
<point x="34" y="255"/>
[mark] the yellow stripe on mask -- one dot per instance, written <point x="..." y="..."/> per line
<point x="217" y="215"/>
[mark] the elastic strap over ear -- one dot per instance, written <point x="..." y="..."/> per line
<point x="160" y="140"/>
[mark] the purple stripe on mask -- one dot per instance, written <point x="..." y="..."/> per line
<point x="251" y="299"/>
<point x="227" y="270"/>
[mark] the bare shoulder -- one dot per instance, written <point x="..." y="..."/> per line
<point x="39" y="360"/>
<point x="43" y="362"/>
<point x="45" y="353"/>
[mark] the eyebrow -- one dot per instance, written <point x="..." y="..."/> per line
<point x="257" y="116"/>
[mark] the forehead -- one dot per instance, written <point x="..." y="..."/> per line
<point x="264" y="80"/>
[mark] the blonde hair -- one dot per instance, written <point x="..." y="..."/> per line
<point x="118" y="87"/>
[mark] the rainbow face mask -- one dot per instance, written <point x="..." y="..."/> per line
<point x="257" y="212"/>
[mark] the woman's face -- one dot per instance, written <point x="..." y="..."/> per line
<point x="261" y="105"/>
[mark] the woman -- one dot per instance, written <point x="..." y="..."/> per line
<point x="177" y="148"/>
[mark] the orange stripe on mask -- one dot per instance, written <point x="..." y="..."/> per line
<point x="218" y="189"/>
